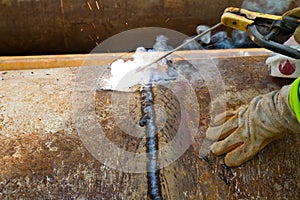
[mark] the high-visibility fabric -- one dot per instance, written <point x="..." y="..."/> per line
<point x="294" y="98"/>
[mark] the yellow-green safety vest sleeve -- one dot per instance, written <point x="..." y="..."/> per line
<point x="294" y="98"/>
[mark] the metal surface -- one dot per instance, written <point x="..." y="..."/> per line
<point x="43" y="157"/>
<point x="9" y="63"/>
<point x="72" y="26"/>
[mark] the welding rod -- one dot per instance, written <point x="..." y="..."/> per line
<point x="179" y="47"/>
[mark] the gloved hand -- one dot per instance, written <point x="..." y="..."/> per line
<point x="283" y="36"/>
<point x="295" y="13"/>
<point x="249" y="129"/>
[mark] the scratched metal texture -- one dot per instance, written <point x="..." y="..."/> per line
<point x="71" y="26"/>
<point x="42" y="156"/>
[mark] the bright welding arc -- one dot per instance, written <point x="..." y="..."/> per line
<point x="179" y="47"/>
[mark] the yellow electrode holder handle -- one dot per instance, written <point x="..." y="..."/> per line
<point x="240" y="19"/>
<point x="235" y="21"/>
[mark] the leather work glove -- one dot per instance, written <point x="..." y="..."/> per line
<point x="295" y="13"/>
<point x="283" y="36"/>
<point x="246" y="131"/>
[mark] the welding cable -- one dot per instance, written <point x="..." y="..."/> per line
<point x="148" y="120"/>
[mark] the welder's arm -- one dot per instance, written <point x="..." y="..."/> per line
<point x="244" y="132"/>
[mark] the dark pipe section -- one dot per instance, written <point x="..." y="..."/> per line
<point x="148" y="120"/>
<point x="55" y="27"/>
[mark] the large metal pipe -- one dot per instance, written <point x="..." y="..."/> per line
<point x="72" y="26"/>
<point x="43" y="157"/>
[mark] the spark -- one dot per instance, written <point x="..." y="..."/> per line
<point x="97" y="5"/>
<point x="101" y="5"/>
<point x="62" y="6"/>
<point x="91" y="38"/>
<point x="90" y="7"/>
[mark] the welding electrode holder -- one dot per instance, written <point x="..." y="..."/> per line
<point x="288" y="25"/>
<point x="278" y="27"/>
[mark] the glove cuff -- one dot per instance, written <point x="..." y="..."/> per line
<point x="294" y="98"/>
<point x="286" y="114"/>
